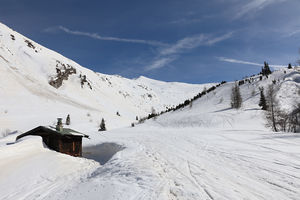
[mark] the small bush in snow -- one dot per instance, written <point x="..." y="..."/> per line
<point x="253" y="93"/>
<point x="102" y="125"/>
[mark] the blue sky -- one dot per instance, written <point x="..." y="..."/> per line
<point x="192" y="41"/>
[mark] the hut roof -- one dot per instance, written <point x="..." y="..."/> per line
<point x="47" y="130"/>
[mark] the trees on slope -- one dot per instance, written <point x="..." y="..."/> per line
<point x="265" y="71"/>
<point x="236" y="98"/>
<point x="279" y="119"/>
<point x="294" y="120"/>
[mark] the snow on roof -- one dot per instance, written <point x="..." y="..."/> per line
<point x="52" y="130"/>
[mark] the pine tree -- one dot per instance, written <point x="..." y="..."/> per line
<point x="289" y="66"/>
<point x="236" y="98"/>
<point x="68" y="120"/>
<point x="102" y="125"/>
<point x="266" y="69"/>
<point x="262" y="101"/>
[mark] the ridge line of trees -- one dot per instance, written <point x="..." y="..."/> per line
<point x="187" y="102"/>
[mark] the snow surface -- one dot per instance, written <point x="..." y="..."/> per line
<point x="206" y="151"/>
<point x="27" y="96"/>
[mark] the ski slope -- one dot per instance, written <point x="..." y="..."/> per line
<point x="206" y="151"/>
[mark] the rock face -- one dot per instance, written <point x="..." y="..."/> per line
<point x="62" y="73"/>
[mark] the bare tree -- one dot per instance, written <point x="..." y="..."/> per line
<point x="236" y="98"/>
<point x="294" y="120"/>
<point x="273" y="108"/>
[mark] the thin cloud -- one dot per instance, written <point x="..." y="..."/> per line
<point x="171" y="53"/>
<point x="213" y="41"/>
<point x="184" y="44"/>
<point x="254" y="6"/>
<point x="99" y="37"/>
<point x="231" y="60"/>
<point x="292" y="33"/>
<point x="159" y="63"/>
<point x="194" y="42"/>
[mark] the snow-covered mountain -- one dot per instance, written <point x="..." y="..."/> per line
<point x="202" y="151"/>
<point x="37" y="85"/>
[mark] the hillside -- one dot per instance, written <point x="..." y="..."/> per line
<point x="37" y="85"/>
<point x="203" y="151"/>
<point x="213" y="110"/>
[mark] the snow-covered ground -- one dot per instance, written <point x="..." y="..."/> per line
<point x="203" y="151"/>
<point x="27" y="99"/>
<point x="207" y="151"/>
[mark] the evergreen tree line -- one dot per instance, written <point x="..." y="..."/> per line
<point x="187" y="102"/>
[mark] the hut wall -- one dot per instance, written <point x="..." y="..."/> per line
<point x="52" y="142"/>
<point x="70" y="145"/>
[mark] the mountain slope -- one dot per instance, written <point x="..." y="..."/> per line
<point x="213" y="110"/>
<point x="207" y="151"/>
<point x="38" y="85"/>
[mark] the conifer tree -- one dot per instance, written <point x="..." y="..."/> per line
<point x="68" y="120"/>
<point x="289" y="66"/>
<point x="266" y="69"/>
<point x="102" y="125"/>
<point x="262" y="100"/>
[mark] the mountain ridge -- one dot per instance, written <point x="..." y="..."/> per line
<point x="49" y="80"/>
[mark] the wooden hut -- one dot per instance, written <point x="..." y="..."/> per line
<point x="63" y="140"/>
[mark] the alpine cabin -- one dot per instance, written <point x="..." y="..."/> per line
<point x="63" y="140"/>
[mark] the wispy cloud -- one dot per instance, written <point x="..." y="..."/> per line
<point x="253" y="6"/>
<point x="184" y="44"/>
<point x="231" y="60"/>
<point x="171" y="53"/>
<point x="159" y="63"/>
<point x="167" y="53"/>
<point x="292" y="33"/>
<point x="99" y="37"/>
<point x="186" y="21"/>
